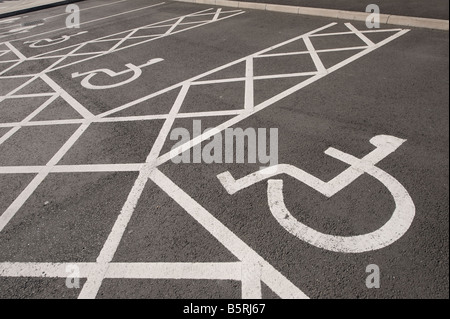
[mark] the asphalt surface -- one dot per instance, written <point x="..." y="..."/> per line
<point x="183" y="214"/>
<point x="435" y="9"/>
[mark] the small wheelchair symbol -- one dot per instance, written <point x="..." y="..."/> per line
<point x="131" y="68"/>
<point x="50" y="42"/>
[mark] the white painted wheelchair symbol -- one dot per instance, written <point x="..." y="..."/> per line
<point x="390" y="232"/>
<point x="50" y="42"/>
<point x="131" y="68"/>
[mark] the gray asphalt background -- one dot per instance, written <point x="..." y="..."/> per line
<point x="400" y="89"/>
<point x="435" y="9"/>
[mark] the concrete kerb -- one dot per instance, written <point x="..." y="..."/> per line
<point x="416" y="22"/>
<point x="38" y="7"/>
<point x="419" y="22"/>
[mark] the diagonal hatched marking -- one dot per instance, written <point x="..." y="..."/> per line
<point x="252" y="268"/>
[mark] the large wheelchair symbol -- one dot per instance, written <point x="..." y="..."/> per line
<point x="131" y="68"/>
<point x="390" y="232"/>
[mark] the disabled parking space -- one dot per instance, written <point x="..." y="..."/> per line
<point x="92" y="131"/>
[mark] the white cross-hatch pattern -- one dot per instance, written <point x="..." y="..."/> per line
<point x="251" y="269"/>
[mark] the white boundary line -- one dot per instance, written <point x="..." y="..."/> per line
<point x="205" y="271"/>
<point x="145" y="98"/>
<point x="120" y="119"/>
<point x="100" y="54"/>
<point x="249" y="99"/>
<point x="85" y="9"/>
<point x="175" y="152"/>
<point x="360" y="34"/>
<point x="26" y="193"/>
<point x="28" y="118"/>
<point x="274" y="279"/>
<point x="252" y="268"/>
<point x="91" y="21"/>
<point x="16" y="52"/>
<point x="315" y="57"/>
<point x="105" y="38"/>
<point x="74" y="48"/>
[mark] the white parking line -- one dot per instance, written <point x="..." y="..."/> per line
<point x="86" y="9"/>
<point x="360" y="34"/>
<point x="16" y="52"/>
<point x="249" y="100"/>
<point x="251" y="269"/>
<point x="91" y="21"/>
<point x="205" y="271"/>
<point x="26" y="193"/>
<point x="315" y="57"/>
<point x="284" y="288"/>
<point x="175" y="152"/>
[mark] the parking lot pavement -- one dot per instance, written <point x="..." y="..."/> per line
<point x="91" y="187"/>
<point x="434" y="9"/>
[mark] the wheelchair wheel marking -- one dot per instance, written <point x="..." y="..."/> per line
<point x="395" y="228"/>
<point x="131" y="68"/>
